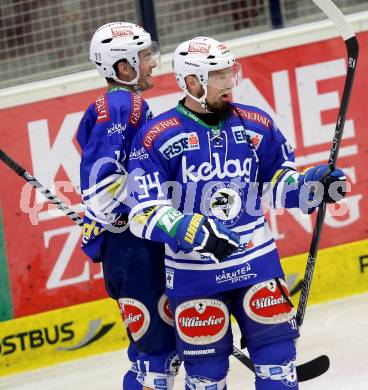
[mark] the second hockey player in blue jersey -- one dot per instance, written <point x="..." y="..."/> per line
<point x="133" y="268"/>
<point x="198" y="189"/>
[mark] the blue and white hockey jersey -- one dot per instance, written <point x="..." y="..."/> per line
<point x="105" y="135"/>
<point x="189" y="167"/>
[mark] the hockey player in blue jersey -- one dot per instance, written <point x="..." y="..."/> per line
<point x="198" y="189"/>
<point x="133" y="268"/>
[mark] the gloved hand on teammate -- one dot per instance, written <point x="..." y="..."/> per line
<point x="334" y="182"/>
<point x="207" y="237"/>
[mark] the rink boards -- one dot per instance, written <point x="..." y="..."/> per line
<point x="91" y="328"/>
<point x="51" y="306"/>
<point x="299" y="82"/>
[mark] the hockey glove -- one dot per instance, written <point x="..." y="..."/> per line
<point x="207" y="237"/>
<point x="334" y="183"/>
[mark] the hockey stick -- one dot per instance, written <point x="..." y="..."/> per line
<point x="352" y="47"/>
<point x="305" y="371"/>
<point x="308" y="370"/>
<point x="40" y="187"/>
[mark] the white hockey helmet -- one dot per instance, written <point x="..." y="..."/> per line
<point x="116" y="41"/>
<point x="198" y="57"/>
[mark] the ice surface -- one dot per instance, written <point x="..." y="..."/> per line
<point x="338" y="329"/>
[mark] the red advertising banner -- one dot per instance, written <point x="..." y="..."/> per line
<point x="300" y="87"/>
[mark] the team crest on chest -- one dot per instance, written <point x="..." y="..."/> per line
<point x="225" y="202"/>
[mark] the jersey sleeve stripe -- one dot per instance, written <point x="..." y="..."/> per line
<point x="106" y="181"/>
<point x="152" y="223"/>
<point x="240" y="259"/>
<point x="143" y="205"/>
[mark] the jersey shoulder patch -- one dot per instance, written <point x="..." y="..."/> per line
<point x="102" y="109"/>
<point x="136" y="111"/>
<point x="253" y="114"/>
<point x="114" y="116"/>
<point x="158" y="126"/>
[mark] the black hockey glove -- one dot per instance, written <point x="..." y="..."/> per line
<point x="207" y="237"/>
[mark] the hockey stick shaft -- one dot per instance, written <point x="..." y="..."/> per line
<point x="352" y="47"/>
<point x="41" y="188"/>
<point x="305" y="372"/>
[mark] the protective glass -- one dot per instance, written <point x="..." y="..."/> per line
<point x="152" y="55"/>
<point x="226" y="78"/>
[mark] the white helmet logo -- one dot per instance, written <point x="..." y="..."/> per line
<point x="122" y="31"/>
<point x="199" y="47"/>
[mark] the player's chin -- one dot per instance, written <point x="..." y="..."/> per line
<point x="221" y="105"/>
<point x="147" y="83"/>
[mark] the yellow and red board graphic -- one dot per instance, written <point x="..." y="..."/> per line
<point x="340" y="271"/>
<point x="91" y="328"/>
<point x="60" y="335"/>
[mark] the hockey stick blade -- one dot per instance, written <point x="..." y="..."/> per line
<point x="313" y="368"/>
<point x="305" y="372"/>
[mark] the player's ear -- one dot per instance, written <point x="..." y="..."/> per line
<point x="193" y="85"/>
<point x="124" y="70"/>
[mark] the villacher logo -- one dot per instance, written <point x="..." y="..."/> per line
<point x="135" y="316"/>
<point x="264" y="303"/>
<point x="202" y="321"/>
<point x="164" y="310"/>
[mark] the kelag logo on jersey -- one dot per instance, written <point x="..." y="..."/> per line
<point x="180" y="143"/>
<point x="202" y="321"/>
<point x="240" y="136"/>
<point x="215" y="168"/>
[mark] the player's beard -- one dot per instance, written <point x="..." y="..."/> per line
<point x="222" y="108"/>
